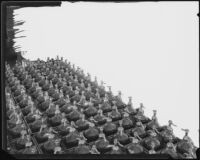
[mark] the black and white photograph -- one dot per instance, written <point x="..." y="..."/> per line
<point x="102" y="80"/>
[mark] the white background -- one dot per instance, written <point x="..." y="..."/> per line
<point x="148" y="50"/>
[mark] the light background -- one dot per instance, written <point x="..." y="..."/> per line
<point x="148" y="50"/>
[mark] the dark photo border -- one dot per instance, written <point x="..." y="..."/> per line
<point x="4" y="5"/>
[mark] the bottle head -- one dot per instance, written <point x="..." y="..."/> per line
<point x="141" y="106"/>
<point x="109" y="89"/>
<point x="170" y="122"/>
<point x="114" y="103"/>
<point x="81" y="141"/>
<point x="100" y="106"/>
<point x="186" y="130"/>
<point x="120" y="129"/>
<point x="63" y="114"/>
<point x="77" y="88"/>
<point x="120" y="122"/>
<point x="57" y="141"/>
<point x="23" y="132"/>
<point x="74" y="102"/>
<point x="94" y="147"/>
<point x="57" y="107"/>
<point x="82" y="92"/>
<point x="101" y="130"/>
<point x="134" y="140"/>
<point x="43" y="120"/>
<point x="152" y="145"/>
<point x="115" y="141"/>
<point x="95" y="78"/>
<point x="135" y="134"/>
<point x="91" y="99"/>
<point x="72" y="129"/>
<point x="61" y="94"/>
<point x="82" y="116"/>
<point x="81" y="110"/>
<point x="99" y="111"/>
